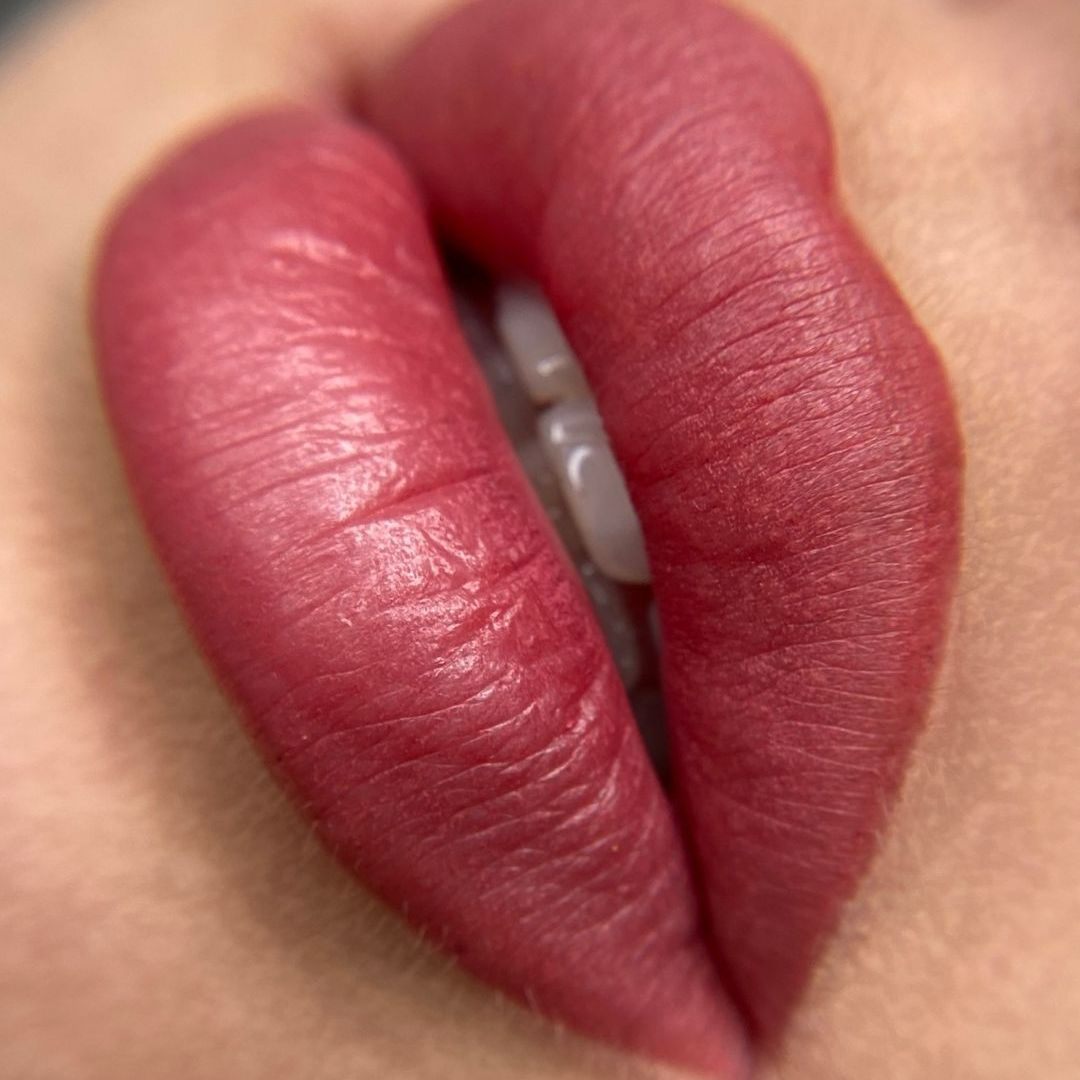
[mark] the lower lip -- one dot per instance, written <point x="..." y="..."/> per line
<point x="344" y="522"/>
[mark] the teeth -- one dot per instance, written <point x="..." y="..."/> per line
<point x="592" y="485"/>
<point x="581" y="488"/>
<point x="544" y="361"/>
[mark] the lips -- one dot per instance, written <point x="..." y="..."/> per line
<point x="364" y="564"/>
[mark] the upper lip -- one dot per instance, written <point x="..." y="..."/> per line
<point x="345" y="525"/>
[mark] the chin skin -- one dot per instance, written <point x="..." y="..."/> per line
<point x="139" y="834"/>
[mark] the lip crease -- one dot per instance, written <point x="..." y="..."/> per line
<point x="363" y="563"/>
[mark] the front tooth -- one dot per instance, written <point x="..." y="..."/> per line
<point x="594" y="490"/>
<point x="544" y="361"/>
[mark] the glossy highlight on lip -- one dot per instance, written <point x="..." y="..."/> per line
<point x="362" y="561"/>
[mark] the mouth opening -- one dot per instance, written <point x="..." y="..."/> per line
<point x="549" y="415"/>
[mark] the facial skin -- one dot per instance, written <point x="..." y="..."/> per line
<point x="165" y="912"/>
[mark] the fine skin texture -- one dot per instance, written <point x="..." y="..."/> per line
<point x="360" y="556"/>
<point x="164" y="912"/>
<point x="783" y="425"/>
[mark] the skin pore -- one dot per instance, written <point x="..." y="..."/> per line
<point x="166" y="914"/>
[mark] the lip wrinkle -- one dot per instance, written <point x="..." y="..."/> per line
<point x="322" y="471"/>
<point x="664" y="169"/>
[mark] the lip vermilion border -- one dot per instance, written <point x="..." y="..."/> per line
<point x="364" y="565"/>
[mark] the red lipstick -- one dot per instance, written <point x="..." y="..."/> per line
<point x="360" y="557"/>
<point x="664" y="169"/>
<point x="366" y="568"/>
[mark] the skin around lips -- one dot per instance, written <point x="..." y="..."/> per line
<point x="663" y="168"/>
<point x="360" y="557"/>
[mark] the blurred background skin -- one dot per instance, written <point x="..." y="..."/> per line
<point x="164" y="914"/>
